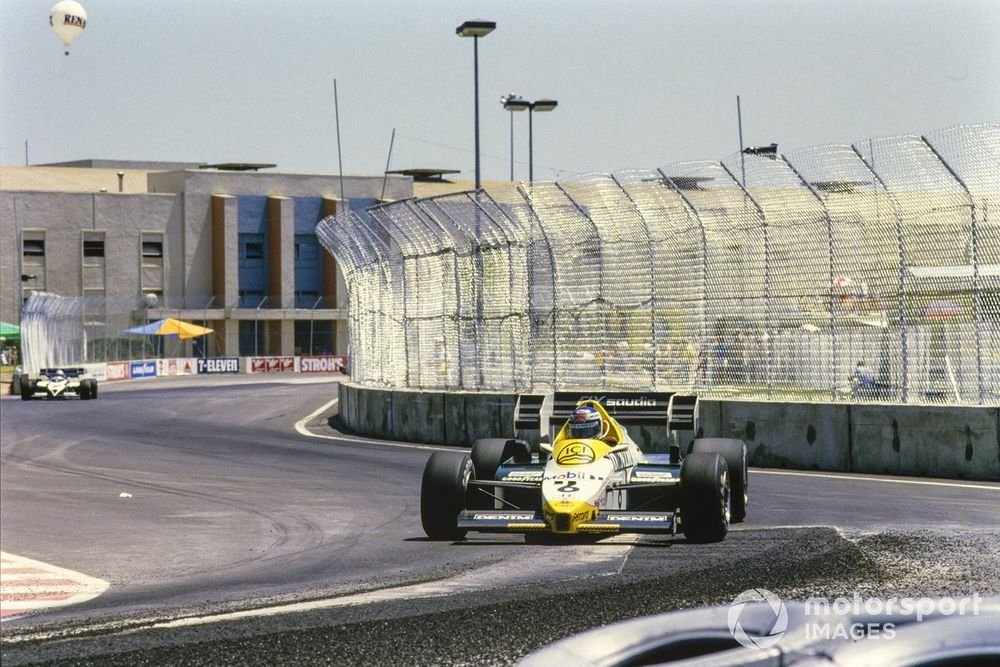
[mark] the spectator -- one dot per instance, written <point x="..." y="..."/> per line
<point x="863" y="381"/>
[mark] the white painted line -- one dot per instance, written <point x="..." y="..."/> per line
<point x="520" y="570"/>
<point x="300" y="426"/>
<point x="869" y="478"/>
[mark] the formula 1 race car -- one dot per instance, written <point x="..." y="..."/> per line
<point x="59" y="383"/>
<point x="591" y="478"/>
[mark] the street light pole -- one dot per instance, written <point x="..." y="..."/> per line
<point x="531" y="145"/>
<point x="476" y="29"/>
<point x="505" y="100"/>
<point x="519" y="104"/>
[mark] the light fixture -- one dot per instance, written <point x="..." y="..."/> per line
<point x="475" y="28"/>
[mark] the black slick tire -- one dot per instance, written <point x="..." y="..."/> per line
<point x="734" y="451"/>
<point x="487" y="454"/>
<point x="704" y="497"/>
<point x="442" y="494"/>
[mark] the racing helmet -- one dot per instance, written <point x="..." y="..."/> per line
<point x="586" y="422"/>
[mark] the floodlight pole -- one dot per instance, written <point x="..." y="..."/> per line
<point x="739" y="123"/>
<point x="475" y="30"/>
<point x="519" y="104"/>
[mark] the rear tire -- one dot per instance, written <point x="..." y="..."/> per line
<point x="442" y="494"/>
<point x="734" y="451"/>
<point x="704" y="497"/>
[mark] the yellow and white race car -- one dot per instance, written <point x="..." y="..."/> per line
<point x="591" y="477"/>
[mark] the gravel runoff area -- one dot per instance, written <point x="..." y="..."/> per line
<point x="498" y="627"/>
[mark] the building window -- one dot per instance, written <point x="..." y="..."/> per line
<point x="306" y="298"/>
<point x="93" y="248"/>
<point x="33" y="262"/>
<point x="151" y="264"/>
<point x="253" y="250"/>
<point x="34" y="247"/>
<point x="252" y="275"/>
<point x="152" y="248"/>
<point x="251" y="298"/>
<point x="94" y="278"/>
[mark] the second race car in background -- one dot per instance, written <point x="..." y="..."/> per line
<point x="59" y="383"/>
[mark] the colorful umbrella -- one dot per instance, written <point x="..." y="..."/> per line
<point x="170" y="327"/>
<point x="8" y="330"/>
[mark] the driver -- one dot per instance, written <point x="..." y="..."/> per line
<point x="58" y="376"/>
<point x="586" y="422"/>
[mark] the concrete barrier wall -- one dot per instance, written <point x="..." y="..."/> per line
<point x="952" y="442"/>
<point x="795" y="435"/>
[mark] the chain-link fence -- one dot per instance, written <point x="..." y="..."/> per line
<point x="842" y="272"/>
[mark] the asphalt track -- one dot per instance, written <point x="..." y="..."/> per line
<point x="236" y="526"/>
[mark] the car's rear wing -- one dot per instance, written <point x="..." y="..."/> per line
<point x="68" y="372"/>
<point x="536" y="415"/>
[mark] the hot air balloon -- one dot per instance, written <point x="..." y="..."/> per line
<point x="67" y="19"/>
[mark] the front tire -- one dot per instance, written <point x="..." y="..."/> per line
<point x="442" y="494"/>
<point x="488" y="453"/>
<point x="27" y="390"/>
<point x="734" y="451"/>
<point x="704" y="497"/>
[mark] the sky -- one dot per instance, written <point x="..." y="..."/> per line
<point x="640" y="83"/>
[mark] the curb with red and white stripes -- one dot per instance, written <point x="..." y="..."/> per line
<point x="28" y="586"/>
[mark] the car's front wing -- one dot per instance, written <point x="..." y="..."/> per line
<point x="607" y="523"/>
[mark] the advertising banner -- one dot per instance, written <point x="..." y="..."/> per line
<point x="175" y="366"/>
<point x="117" y="370"/>
<point x="272" y="364"/>
<point x="219" y="365"/>
<point x="143" y="369"/>
<point x="97" y="371"/>
<point x="325" y="364"/>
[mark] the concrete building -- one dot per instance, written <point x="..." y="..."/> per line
<point x="228" y="246"/>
